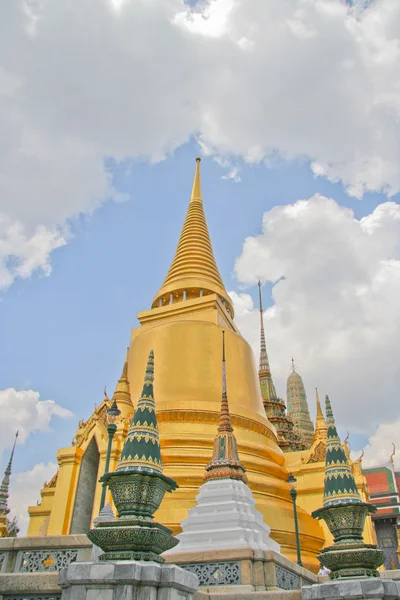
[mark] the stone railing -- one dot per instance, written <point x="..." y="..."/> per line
<point x="29" y="566"/>
<point x="253" y="570"/>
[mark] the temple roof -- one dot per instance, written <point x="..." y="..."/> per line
<point x="383" y="487"/>
<point x="193" y="268"/>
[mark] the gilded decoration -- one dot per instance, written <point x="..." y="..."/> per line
<point x="275" y="407"/>
<point x="183" y="324"/>
<point x="225" y="462"/>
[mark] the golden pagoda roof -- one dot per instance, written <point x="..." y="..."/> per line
<point x="193" y="267"/>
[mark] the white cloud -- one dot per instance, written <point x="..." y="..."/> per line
<point x="380" y="445"/>
<point x="82" y="81"/>
<point x="23" y="410"/>
<point x="336" y="308"/>
<point x="25" y="491"/>
<point x="22" y="254"/>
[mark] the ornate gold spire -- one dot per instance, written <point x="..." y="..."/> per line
<point x="225" y="462"/>
<point x="193" y="272"/>
<point x="264" y="373"/>
<point x="318" y="445"/>
<point x="321" y="428"/>
<point x="122" y="393"/>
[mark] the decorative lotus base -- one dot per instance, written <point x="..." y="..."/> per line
<point x="352" y="560"/>
<point x="349" y="557"/>
<point x="132" y="539"/>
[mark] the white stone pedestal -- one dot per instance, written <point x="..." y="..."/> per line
<point x="126" y="580"/>
<point x="372" y="588"/>
<point x="225" y="517"/>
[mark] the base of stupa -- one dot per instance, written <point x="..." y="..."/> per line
<point x="353" y="589"/>
<point x="126" y="581"/>
<point x="225" y="517"/>
<point x="243" y="570"/>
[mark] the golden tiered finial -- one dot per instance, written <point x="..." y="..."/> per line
<point x="224" y="417"/>
<point x="196" y="189"/>
<point x="321" y="428"/>
<point x="318" y="444"/>
<point x="193" y="272"/>
<point x="225" y="462"/>
<point x="122" y="393"/>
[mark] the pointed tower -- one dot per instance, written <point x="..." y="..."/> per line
<point x="321" y="428"/>
<point x="225" y="516"/>
<point x="339" y="481"/>
<point x="318" y="445"/>
<point x="225" y="463"/>
<point x="137" y="486"/>
<point x="193" y="272"/>
<point x="344" y="513"/>
<point x="142" y="446"/>
<point x="122" y="394"/>
<point x="275" y="407"/>
<point x="297" y="407"/>
<point x="7" y="528"/>
<point x="264" y="372"/>
<point x="183" y="326"/>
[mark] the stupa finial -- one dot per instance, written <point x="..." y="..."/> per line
<point x="193" y="272"/>
<point x="340" y="486"/>
<point x="224" y="417"/>
<point x="142" y="445"/>
<point x="225" y="462"/>
<point x="122" y="393"/>
<point x="321" y="428"/>
<point x="267" y="387"/>
<point x="196" y="189"/>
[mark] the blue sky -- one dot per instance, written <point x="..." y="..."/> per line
<point x="115" y="99"/>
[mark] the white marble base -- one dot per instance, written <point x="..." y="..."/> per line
<point x="126" y="580"/>
<point x="372" y="588"/>
<point x="225" y="517"/>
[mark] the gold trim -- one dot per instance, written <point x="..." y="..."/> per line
<point x="205" y="416"/>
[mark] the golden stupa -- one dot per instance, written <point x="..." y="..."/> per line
<point x="183" y="327"/>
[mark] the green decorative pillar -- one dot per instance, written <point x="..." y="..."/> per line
<point x="344" y="513"/>
<point x="137" y="487"/>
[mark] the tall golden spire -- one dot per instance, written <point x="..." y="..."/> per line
<point x="193" y="271"/>
<point x="122" y="393"/>
<point x="321" y="428"/>
<point x="264" y="372"/>
<point x="225" y="462"/>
